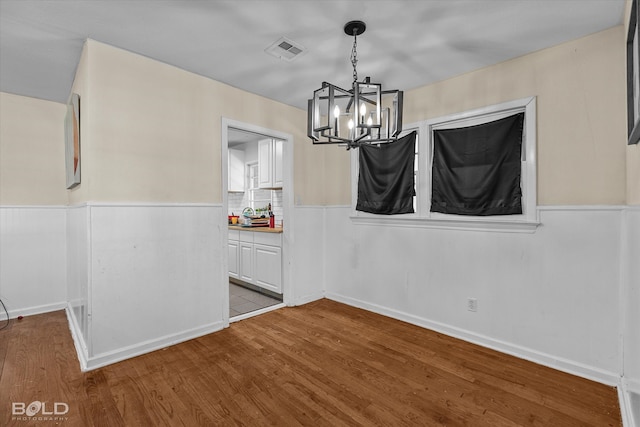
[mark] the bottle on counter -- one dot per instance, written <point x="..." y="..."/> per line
<point x="272" y="218"/>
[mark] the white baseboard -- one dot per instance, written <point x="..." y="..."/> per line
<point x="95" y="362"/>
<point x="76" y="336"/>
<point x="631" y="385"/>
<point x="628" y="398"/>
<point x="31" y="311"/>
<point x="308" y="298"/>
<point x="561" y="364"/>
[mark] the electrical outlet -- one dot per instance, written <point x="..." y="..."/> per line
<point x="472" y="304"/>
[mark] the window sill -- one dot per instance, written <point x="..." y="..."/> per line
<point x="448" y="224"/>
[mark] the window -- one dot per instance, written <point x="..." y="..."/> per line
<point x="259" y="198"/>
<point x="476" y="169"/>
<point x="526" y="221"/>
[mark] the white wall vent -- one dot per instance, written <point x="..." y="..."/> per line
<point x="285" y="49"/>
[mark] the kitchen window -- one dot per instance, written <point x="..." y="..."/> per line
<point x="526" y="221"/>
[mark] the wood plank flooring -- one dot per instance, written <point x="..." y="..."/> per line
<point x="321" y="364"/>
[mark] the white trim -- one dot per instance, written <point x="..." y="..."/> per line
<point x="89" y="285"/>
<point x="308" y="298"/>
<point x="632" y="385"/>
<point x="148" y="346"/>
<point x="529" y="163"/>
<point x="448" y="224"/>
<point x="33" y="207"/>
<point x="256" y="312"/>
<point x="78" y="342"/>
<point x="561" y="364"/>
<point x="288" y="290"/>
<point x="623" y="287"/>
<point x="626" y="405"/>
<point x="472" y="223"/>
<point x="144" y="205"/>
<point x="32" y="311"/>
<point x="76" y="335"/>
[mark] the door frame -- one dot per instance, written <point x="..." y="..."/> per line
<point x="287" y="202"/>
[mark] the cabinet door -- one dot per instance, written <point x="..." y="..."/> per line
<point x="246" y="262"/>
<point x="268" y="267"/>
<point x="277" y="163"/>
<point x="234" y="261"/>
<point x="236" y="170"/>
<point x="265" y="158"/>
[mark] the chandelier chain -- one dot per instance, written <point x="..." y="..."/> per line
<point x="354" y="58"/>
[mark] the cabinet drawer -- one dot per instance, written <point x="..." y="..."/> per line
<point x="234" y="235"/>
<point x="246" y="236"/>
<point x="271" y="239"/>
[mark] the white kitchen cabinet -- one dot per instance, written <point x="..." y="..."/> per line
<point x="277" y="163"/>
<point x="256" y="258"/>
<point x="236" y="170"/>
<point x="270" y="163"/>
<point x="246" y="262"/>
<point x="268" y="263"/>
<point x="234" y="259"/>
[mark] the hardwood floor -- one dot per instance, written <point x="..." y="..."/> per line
<point x="321" y="364"/>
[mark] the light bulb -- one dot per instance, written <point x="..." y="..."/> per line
<point x="350" y="124"/>
<point x="369" y="121"/>
<point x="336" y="112"/>
<point x="363" y="109"/>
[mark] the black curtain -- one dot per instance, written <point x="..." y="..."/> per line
<point x="476" y="169"/>
<point x="386" y="179"/>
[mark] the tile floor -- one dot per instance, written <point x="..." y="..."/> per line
<point x="244" y="300"/>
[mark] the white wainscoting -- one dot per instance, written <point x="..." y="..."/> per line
<point x="307" y="257"/>
<point x="551" y="296"/>
<point x="141" y="277"/>
<point x="630" y="299"/>
<point x="153" y="278"/>
<point x="78" y="260"/>
<point x="32" y="259"/>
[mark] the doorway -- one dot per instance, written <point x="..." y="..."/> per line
<point x="257" y="193"/>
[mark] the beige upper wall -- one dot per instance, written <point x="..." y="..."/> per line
<point x="633" y="151"/>
<point x="580" y="90"/>
<point x="32" y="164"/>
<point x="81" y="87"/>
<point x="633" y="175"/>
<point x="154" y="132"/>
<point x="151" y="132"/>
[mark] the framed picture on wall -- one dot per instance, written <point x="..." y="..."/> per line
<point x="72" y="141"/>
<point x="633" y="77"/>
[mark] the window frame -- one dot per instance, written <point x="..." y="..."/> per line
<point x="528" y="221"/>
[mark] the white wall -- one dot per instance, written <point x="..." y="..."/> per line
<point x="32" y="259"/>
<point x="550" y="296"/>
<point x="32" y="199"/>
<point x="153" y="277"/>
<point x="307" y="281"/>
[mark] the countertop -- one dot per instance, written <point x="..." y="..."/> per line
<point x="256" y="229"/>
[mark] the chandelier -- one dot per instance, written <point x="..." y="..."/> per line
<point x="364" y="114"/>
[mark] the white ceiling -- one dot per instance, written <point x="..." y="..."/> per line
<point x="408" y="43"/>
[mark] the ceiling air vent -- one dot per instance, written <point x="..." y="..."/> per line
<point x="285" y="49"/>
